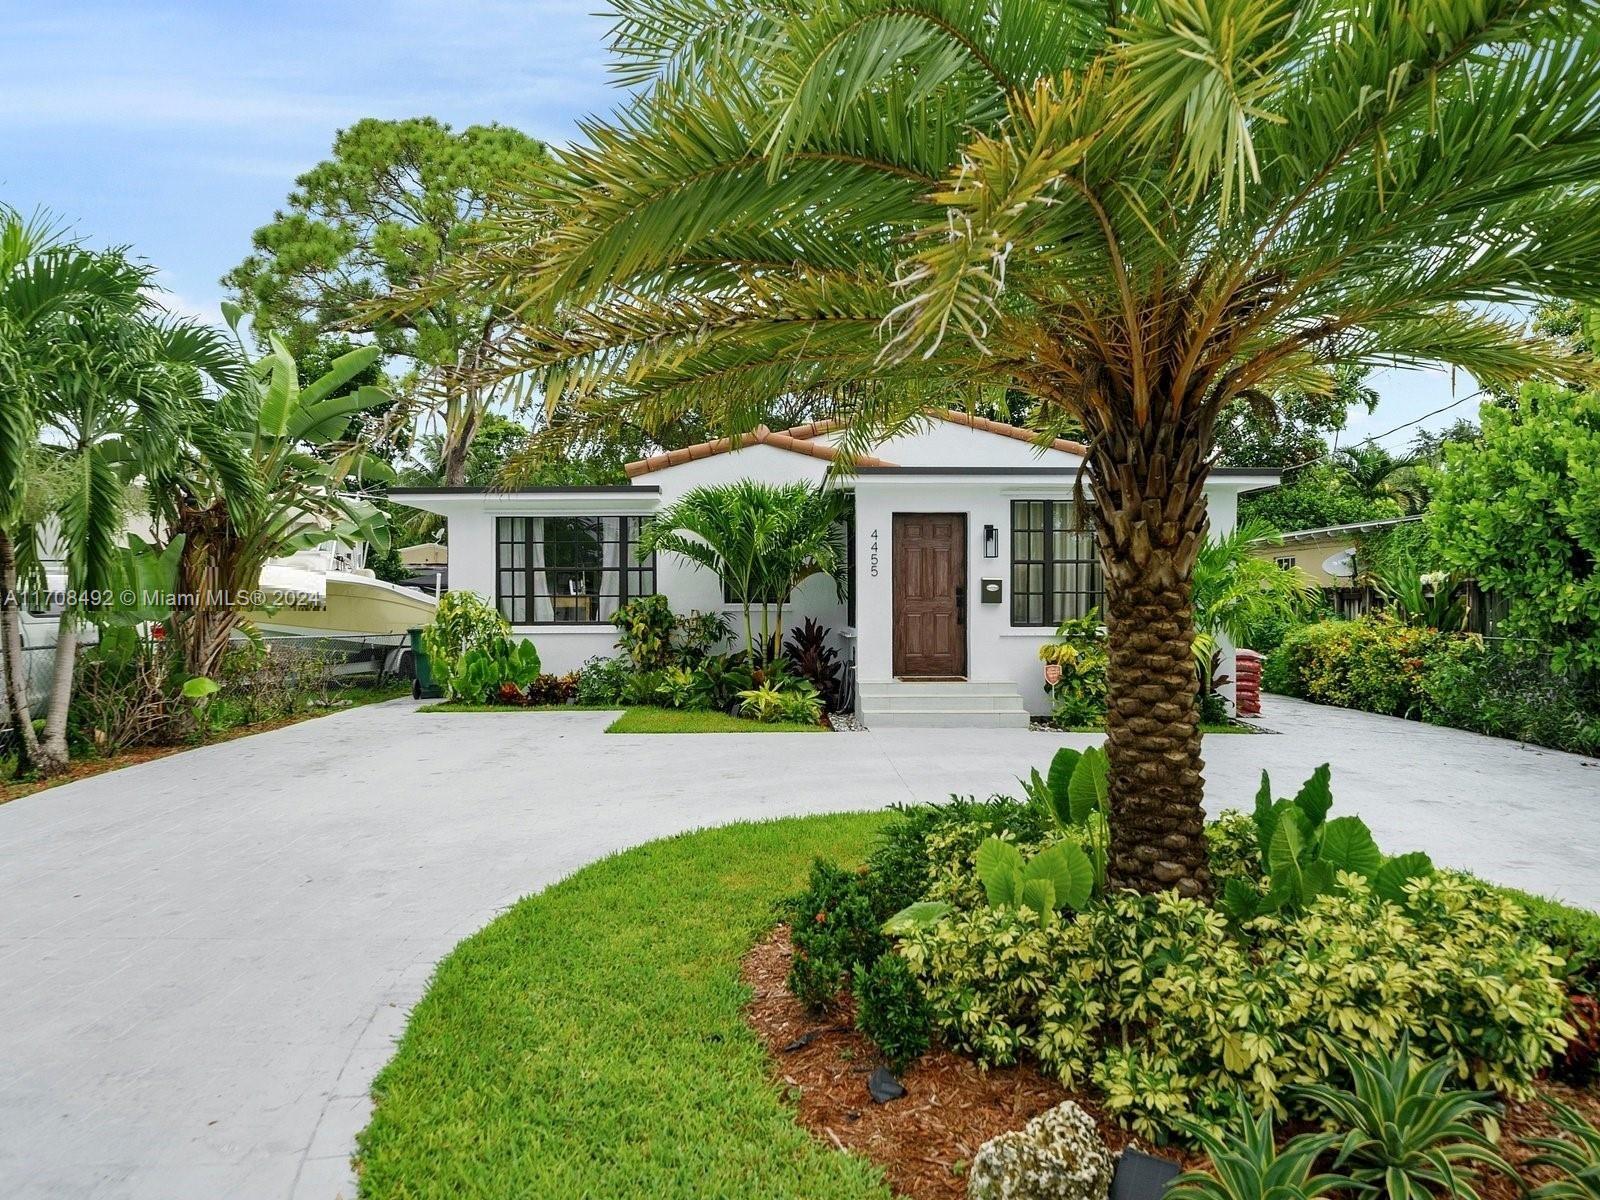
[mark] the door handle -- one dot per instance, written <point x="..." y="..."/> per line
<point x="961" y="604"/>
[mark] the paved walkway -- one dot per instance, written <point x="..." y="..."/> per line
<point x="205" y="959"/>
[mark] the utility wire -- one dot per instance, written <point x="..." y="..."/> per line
<point x="1380" y="436"/>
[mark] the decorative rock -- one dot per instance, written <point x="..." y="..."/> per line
<point x="883" y="1086"/>
<point x="1056" y="1156"/>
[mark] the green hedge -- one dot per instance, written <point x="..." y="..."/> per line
<point x="1376" y="664"/>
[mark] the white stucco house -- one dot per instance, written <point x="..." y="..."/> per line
<point x="966" y="551"/>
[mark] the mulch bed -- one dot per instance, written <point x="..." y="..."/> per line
<point x="924" y="1140"/>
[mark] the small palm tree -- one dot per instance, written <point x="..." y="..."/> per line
<point x="1237" y="593"/>
<point x="121" y="387"/>
<point x="762" y="540"/>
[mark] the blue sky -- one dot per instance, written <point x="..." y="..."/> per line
<point x="177" y="128"/>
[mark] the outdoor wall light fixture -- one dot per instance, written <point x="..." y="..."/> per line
<point x="991" y="542"/>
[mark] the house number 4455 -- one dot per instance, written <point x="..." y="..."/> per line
<point x="873" y="559"/>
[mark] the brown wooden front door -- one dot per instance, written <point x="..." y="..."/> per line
<point x="930" y="595"/>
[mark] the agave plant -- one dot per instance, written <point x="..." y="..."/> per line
<point x="1248" y="1164"/>
<point x="1576" y="1155"/>
<point x="1409" y="1133"/>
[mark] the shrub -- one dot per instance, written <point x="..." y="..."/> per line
<point x="781" y="699"/>
<point x="554" y="689"/>
<point x="890" y="1010"/>
<point x="1232" y="849"/>
<point x="676" y="689"/>
<point x="654" y="639"/>
<point x="643" y="687"/>
<point x="1517" y="511"/>
<point x="833" y="926"/>
<point x="602" y="681"/>
<point x="812" y="659"/>
<point x="901" y="868"/>
<point x="496" y="670"/>
<point x="645" y="625"/>
<point x="1373" y="663"/>
<point x="717" y="681"/>
<point x="1379" y="665"/>
<point x="125" y="694"/>
<point x="1505" y="691"/>
<point x="697" y="636"/>
<point x="1079" y="698"/>
<point x="267" y="683"/>
<point x="1168" y="1011"/>
<point x="462" y="620"/>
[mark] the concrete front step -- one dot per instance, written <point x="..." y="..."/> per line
<point x="945" y="720"/>
<point x="953" y="703"/>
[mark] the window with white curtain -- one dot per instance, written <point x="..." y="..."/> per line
<point x="568" y="570"/>
<point x="1055" y="566"/>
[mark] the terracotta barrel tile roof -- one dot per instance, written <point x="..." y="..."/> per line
<point x="761" y="435"/>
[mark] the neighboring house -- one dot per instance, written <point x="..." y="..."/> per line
<point x="967" y="550"/>
<point x="1330" y="558"/>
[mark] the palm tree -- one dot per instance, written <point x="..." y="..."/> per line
<point x="762" y="540"/>
<point x="1235" y="594"/>
<point x="1373" y="473"/>
<point x="1133" y="213"/>
<point x="43" y="276"/>
<point x="265" y="470"/>
<point x="122" y="386"/>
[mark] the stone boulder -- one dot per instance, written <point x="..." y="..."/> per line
<point x="1056" y="1156"/>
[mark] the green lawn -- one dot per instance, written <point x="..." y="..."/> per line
<point x="589" y="1043"/>
<point x="457" y="706"/>
<point x="1205" y="727"/>
<point x="674" y="720"/>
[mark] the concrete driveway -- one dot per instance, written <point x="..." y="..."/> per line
<point x="205" y="959"/>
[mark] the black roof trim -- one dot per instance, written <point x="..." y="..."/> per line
<point x="1063" y="471"/>
<point x="1246" y="472"/>
<point x="612" y="489"/>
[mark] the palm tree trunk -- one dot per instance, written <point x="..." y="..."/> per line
<point x="463" y="416"/>
<point x="53" y="757"/>
<point x="1150" y="517"/>
<point x="16" y="678"/>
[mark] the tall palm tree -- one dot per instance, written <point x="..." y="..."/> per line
<point x="123" y="385"/>
<point x="43" y="277"/>
<point x="1133" y="213"/>
<point x="762" y="541"/>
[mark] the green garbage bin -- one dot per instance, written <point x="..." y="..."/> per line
<point x="423" y="686"/>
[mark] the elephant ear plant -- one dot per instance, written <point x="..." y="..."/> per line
<point x="499" y="670"/>
<point x="1066" y="875"/>
<point x="1306" y="855"/>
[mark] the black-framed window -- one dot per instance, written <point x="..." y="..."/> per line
<point x="568" y="570"/>
<point x="1055" y="564"/>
